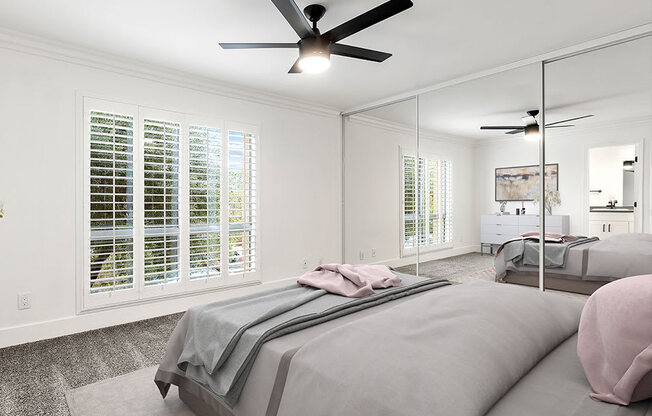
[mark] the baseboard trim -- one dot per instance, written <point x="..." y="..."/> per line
<point x="431" y="255"/>
<point x="88" y="321"/>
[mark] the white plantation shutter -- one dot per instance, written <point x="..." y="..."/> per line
<point x="169" y="203"/>
<point x="446" y="201"/>
<point x="435" y="205"/>
<point x="161" y="201"/>
<point x="242" y="202"/>
<point x="111" y="223"/>
<point x="409" y="202"/>
<point x="204" y="171"/>
<point x="423" y="202"/>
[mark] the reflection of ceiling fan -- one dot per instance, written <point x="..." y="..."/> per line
<point x="530" y="125"/>
<point x="315" y="48"/>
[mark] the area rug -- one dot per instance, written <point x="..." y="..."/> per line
<point x="133" y="394"/>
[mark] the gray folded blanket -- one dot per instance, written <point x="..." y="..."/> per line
<point x="223" y="338"/>
<point x="220" y="325"/>
<point x="526" y="252"/>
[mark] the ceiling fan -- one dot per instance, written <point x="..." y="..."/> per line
<point x="531" y="127"/>
<point x="315" y="48"/>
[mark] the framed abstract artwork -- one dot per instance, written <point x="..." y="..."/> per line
<point x="521" y="183"/>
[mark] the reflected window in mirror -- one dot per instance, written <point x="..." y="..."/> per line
<point x="433" y="205"/>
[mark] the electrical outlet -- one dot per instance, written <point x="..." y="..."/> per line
<point x="24" y="300"/>
<point x="305" y="262"/>
<point x="373" y="252"/>
<point x="361" y="255"/>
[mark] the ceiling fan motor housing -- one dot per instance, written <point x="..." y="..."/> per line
<point x="314" y="46"/>
<point x="531" y="129"/>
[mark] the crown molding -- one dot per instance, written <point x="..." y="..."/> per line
<point x="407" y="130"/>
<point x="38" y="46"/>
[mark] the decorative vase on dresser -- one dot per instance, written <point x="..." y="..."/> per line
<point x="496" y="229"/>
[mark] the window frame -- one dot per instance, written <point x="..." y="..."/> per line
<point x="423" y="248"/>
<point x="140" y="293"/>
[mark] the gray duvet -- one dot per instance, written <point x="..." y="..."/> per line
<point x="222" y="340"/>
<point x="451" y="354"/>
<point x="454" y="351"/>
<point x="621" y="256"/>
<point x="616" y="257"/>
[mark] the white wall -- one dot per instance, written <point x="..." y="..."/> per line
<point x="372" y="191"/>
<point x="570" y="150"/>
<point x="299" y="187"/>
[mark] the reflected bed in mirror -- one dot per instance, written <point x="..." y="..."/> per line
<point x="574" y="264"/>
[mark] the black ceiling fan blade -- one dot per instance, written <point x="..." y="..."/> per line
<point x="570" y="119"/>
<point x="370" y="18"/>
<point x="359" y="53"/>
<point x="257" y="45"/>
<point x="294" y="16"/>
<point x="502" y="128"/>
<point x="295" y="68"/>
<point x="516" y="131"/>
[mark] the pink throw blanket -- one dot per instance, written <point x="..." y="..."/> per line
<point x="614" y="340"/>
<point x="353" y="281"/>
<point x="548" y="237"/>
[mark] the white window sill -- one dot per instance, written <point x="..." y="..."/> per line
<point x="185" y="293"/>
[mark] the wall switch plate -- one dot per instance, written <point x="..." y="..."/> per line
<point x="361" y="255"/>
<point x="373" y="252"/>
<point x="305" y="262"/>
<point x="24" y="300"/>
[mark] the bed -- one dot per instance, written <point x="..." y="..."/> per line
<point x="448" y="350"/>
<point x="587" y="266"/>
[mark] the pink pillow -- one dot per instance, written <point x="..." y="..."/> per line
<point x="615" y="340"/>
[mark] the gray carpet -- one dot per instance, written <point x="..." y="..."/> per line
<point x="35" y="376"/>
<point x="459" y="269"/>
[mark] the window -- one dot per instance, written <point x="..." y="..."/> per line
<point x="433" y="205"/>
<point x="154" y="221"/>
<point x="111" y="187"/>
<point x="205" y="171"/>
<point x="161" y="193"/>
<point x="242" y="205"/>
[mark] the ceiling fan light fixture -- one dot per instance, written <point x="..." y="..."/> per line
<point x="532" y="132"/>
<point x="315" y="62"/>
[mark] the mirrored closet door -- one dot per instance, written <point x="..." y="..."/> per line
<point x="380" y="187"/>
<point x="598" y="138"/>
<point x="478" y="176"/>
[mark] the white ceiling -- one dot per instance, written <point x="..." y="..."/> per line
<point x="433" y="41"/>
<point x="614" y="84"/>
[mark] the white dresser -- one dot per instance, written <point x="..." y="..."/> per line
<point x="496" y="229"/>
